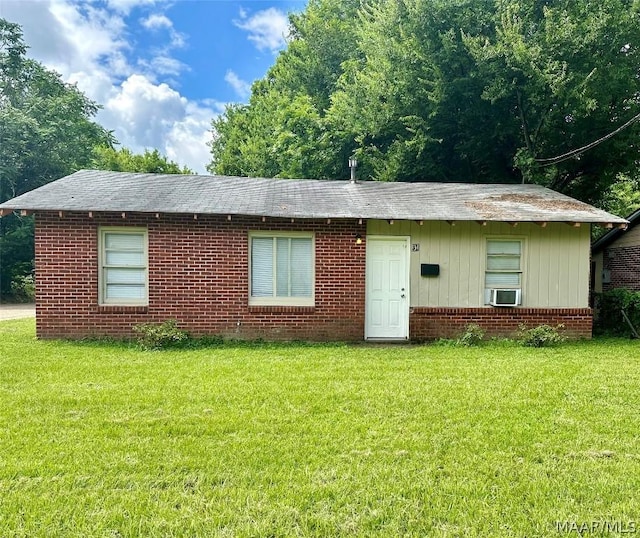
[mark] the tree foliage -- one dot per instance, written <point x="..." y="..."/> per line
<point x="46" y="131"/>
<point x="123" y="160"/>
<point x="283" y="131"/>
<point x="569" y="69"/>
<point x="623" y="197"/>
<point x="46" y="126"/>
<point x="446" y="90"/>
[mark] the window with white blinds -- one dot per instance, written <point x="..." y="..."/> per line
<point x="504" y="263"/>
<point x="282" y="269"/>
<point x="123" y="266"/>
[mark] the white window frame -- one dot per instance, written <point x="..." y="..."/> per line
<point x="520" y="271"/>
<point x="274" y="300"/>
<point x="102" y="265"/>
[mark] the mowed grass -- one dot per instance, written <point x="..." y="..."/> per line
<point x="101" y="439"/>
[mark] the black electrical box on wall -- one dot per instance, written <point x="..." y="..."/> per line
<point x="429" y="269"/>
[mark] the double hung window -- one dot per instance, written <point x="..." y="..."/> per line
<point x="123" y="266"/>
<point x="282" y="269"/>
<point x="504" y="264"/>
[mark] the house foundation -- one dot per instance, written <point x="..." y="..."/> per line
<point x="433" y="323"/>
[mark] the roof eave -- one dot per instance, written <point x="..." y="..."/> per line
<point x="617" y="224"/>
<point x="608" y="238"/>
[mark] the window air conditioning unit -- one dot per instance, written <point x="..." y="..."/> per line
<point x="503" y="297"/>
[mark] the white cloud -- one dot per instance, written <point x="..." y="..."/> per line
<point x="76" y="39"/>
<point x="188" y="139"/>
<point x="125" y="6"/>
<point x="98" y="85"/>
<point x="145" y="111"/>
<point x="241" y="87"/>
<point x="155" y="21"/>
<point x="217" y="106"/>
<point x="268" y="29"/>
<point x="163" y="65"/>
<point x="158" y="21"/>
<point x="177" y="39"/>
<point x="152" y="115"/>
<point x="89" y="46"/>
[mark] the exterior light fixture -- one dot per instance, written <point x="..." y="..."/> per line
<point x="353" y="164"/>
<point x="358" y="239"/>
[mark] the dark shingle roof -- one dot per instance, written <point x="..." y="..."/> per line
<point x="91" y="190"/>
<point x="611" y="236"/>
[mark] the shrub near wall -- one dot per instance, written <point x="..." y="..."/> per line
<point x="609" y="306"/>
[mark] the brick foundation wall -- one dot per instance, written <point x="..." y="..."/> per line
<point x="624" y="264"/>
<point x="431" y="323"/>
<point x="198" y="275"/>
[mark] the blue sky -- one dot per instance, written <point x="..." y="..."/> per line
<point x="160" y="69"/>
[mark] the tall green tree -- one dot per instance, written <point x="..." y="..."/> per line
<point x="411" y="99"/>
<point x="448" y="90"/>
<point x="282" y="131"/>
<point x="623" y="197"/>
<point x="568" y="72"/>
<point x="46" y="131"/>
<point x="124" y="160"/>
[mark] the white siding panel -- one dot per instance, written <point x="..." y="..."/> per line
<point x="584" y="266"/>
<point x="555" y="261"/>
<point x="535" y="274"/>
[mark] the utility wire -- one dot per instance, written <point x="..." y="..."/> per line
<point x="575" y="152"/>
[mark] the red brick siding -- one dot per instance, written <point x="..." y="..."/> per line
<point x="624" y="264"/>
<point x="430" y="323"/>
<point x="198" y="275"/>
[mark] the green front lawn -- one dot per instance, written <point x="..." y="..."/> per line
<point x="280" y="440"/>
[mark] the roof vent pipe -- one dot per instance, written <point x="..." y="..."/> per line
<point x="353" y="164"/>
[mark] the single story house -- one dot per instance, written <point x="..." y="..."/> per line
<point x="306" y="259"/>
<point x="616" y="257"/>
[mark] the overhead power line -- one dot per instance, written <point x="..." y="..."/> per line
<point x="575" y="152"/>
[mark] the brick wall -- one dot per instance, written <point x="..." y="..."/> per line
<point x="198" y="275"/>
<point x="624" y="264"/>
<point x="431" y="323"/>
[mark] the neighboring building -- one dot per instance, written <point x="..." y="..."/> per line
<point x="616" y="258"/>
<point x="321" y="260"/>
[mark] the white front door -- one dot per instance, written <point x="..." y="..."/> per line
<point x="387" y="288"/>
